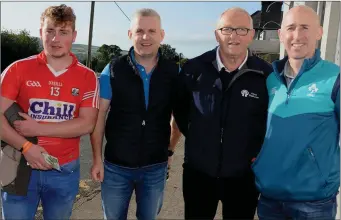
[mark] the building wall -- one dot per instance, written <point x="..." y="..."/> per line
<point x="271" y="35"/>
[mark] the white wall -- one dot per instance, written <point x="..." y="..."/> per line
<point x="271" y="35"/>
<point x="330" y="30"/>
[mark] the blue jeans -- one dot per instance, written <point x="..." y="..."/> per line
<point x="119" y="183"/>
<point x="269" y="209"/>
<point x="56" y="190"/>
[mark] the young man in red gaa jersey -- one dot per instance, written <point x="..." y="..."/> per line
<point x="59" y="96"/>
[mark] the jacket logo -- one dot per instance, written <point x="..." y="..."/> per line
<point x="33" y="83"/>
<point x="312" y="89"/>
<point x="246" y="94"/>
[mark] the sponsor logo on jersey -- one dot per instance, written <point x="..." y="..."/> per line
<point x="54" y="83"/>
<point x="50" y="110"/>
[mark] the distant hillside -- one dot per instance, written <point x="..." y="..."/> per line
<point x="81" y="51"/>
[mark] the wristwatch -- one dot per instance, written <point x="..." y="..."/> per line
<point x="170" y="153"/>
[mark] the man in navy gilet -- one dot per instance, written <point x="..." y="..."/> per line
<point x="137" y="90"/>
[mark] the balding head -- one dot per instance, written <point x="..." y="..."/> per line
<point x="234" y="12"/>
<point x="234" y="32"/>
<point x="303" y="11"/>
<point x="300" y="31"/>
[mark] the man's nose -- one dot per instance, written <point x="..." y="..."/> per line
<point x="298" y="34"/>
<point x="56" y="37"/>
<point x="145" y="36"/>
<point x="234" y="34"/>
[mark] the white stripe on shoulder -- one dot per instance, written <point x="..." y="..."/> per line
<point x="85" y="67"/>
<point x="3" y="74"/>
<point x="95" y="101"/>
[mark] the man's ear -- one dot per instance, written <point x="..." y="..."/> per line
<point x="162" y="34"/>
<point x="74" y="35"/>
<point x="279" y="35"/>
<point x="130" y="34"/>
<point x="216" y="35"/>
<point x="252" y="33"/>
<point x="319" y="33"/>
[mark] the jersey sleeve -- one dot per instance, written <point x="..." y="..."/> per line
<point x="11" y="82"/>
<point x="90" y="95"/>
<point x="105" y="86"/>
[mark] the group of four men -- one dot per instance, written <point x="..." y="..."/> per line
<point x="249" y="127"/>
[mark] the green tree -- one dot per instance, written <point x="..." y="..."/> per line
<point x="182" y="61"/>
<point x="103" y="56"/>
<point x="107" y="52"/>
<point x="15" y="46"/>
<point x="169" y="52"/>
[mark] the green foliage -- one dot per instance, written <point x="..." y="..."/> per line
<point x="107" y="52"/>
<point x="16" y="46"/>
<point x="168" y="52"/>
<point x="269" y="57"/>
<point x="103" y="56"/>
<point x="182" y="62"/>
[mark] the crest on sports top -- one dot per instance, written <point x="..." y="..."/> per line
<point x="75" y="91"/>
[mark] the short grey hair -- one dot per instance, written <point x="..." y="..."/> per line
<point x="145" y="12"/>
<point x="239" y="10"/>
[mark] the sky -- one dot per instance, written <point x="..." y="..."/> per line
<point x="189" y="26"/>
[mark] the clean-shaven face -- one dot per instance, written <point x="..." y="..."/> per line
<point x="234" y="44"/>
<point x="300" y="30"/>
<point x="146" y="35"/>
<point x="57" y="40"/>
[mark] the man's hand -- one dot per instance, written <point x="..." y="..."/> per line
<point x="170" y="159"/>
<point x="35" y="158"/>
<point x="28" y="127"/>
<point x="97" y="171"/>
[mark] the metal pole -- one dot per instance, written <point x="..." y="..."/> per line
<point x="88" y="62"/>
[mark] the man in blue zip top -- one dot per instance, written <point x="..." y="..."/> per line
<point x="298" y="169"/>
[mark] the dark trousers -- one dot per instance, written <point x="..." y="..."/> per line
<point x="202" y="193"/>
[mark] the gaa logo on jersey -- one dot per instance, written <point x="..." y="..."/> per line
<point x="50" y="110"/>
